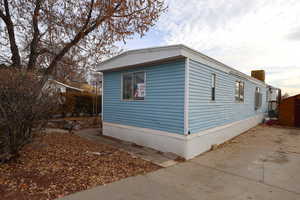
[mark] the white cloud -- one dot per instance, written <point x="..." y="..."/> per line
<point x="256" y="34"/>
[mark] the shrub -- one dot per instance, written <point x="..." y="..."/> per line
<point x="81" y="102"/>
<point x="24" y="105"/>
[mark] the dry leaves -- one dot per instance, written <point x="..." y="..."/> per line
<point x="58" y="164"/>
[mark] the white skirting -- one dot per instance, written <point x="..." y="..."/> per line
<point x="186" y="146"/>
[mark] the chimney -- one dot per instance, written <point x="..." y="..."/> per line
<point x="258" y="74"/>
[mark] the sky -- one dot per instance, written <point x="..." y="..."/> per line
<point x="244" y="34"/>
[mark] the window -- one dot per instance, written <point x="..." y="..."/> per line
<point x="257" y="89"/>
<point x="239" y="91"/>
<point x="133" y="86"/>
<point x="213" y="87"/>
<point x="258" y="98"/>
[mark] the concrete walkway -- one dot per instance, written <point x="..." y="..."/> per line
<point x="262" y="164"/>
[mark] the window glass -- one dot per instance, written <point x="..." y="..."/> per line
<point x="258" y="98"/>
<point x="134" y="86"/>
<point x="213" y="87"/>
<point x="139" y="86"/>
<point x="257" y="89"/>
<point x="239" y="91"/>
<point x="127" y="86"/>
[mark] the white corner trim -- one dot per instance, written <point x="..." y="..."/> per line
<point x="186" y="96"/>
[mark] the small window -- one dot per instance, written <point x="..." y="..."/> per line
<point x="257" y="89"/>
<point x="239" y="91"/>
<point x="258" y="98"/>
<point x="213" y="87"/>
<point x="133" y="86"/>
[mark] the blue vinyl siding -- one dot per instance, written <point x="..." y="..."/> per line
<point x="163" y="107"/>
<point x="204" y="113"/>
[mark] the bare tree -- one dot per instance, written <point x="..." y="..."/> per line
<point x="285" y="96"/>
<point x="39" y="38"/>
<point x="41" y="33"/>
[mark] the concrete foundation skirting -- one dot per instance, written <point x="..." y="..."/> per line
<point x="186" y="146"/>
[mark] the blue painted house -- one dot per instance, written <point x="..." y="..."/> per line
<point x="175" y="99"/>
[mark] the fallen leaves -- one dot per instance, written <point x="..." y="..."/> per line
<point x="58" y="164"/>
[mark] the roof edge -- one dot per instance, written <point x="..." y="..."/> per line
<point x="185" y="52"/>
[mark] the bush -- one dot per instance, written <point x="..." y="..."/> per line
<point x="24" y="105"/>
<point x="81" y="102"/>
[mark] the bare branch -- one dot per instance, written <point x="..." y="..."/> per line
<point x="80" y="35"/>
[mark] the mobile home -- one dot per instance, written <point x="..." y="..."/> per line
<point x="175" y="99"/>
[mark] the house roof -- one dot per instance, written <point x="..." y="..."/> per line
<point x="297" y="96"/>
<point x="140" y="57"/>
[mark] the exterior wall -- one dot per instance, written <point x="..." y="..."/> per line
<point x="163" y="107"/>
<point x="297" y="111"/>
<point x="287" y="112"/>
<point x="205" y="114"/>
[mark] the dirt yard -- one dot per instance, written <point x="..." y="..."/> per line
<point x="58" y="164"/>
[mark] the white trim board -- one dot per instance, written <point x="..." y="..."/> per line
<point x="187" y="146"/>
<point x="186" y="96"/>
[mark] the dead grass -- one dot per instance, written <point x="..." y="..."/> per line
<point x="59" y="164"/>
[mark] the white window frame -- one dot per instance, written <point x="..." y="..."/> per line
<point x="133" y="83"/>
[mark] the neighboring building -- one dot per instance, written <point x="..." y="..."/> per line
<point x="289" y="111"/>
<point x="60" y="87"/>
<point x="178" y="100"/>
<point x="273" y="98"/>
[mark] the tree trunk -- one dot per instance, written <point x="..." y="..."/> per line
<point x="16" y="60"/>
<point x="34" y="43"/>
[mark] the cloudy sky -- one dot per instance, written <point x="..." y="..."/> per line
<point x="244" y="34"/>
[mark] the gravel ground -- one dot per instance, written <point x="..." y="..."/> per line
<point x="58" y="164"/>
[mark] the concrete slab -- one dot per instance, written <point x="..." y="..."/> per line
<point x="280" y="170"/>
<point x="265" y="154"/>
<point x="262" y="164"/>
<point x="208" y="183"/>
<point x="136" y="188"/>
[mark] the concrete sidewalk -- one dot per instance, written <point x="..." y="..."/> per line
<point x="261" y="164"/>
